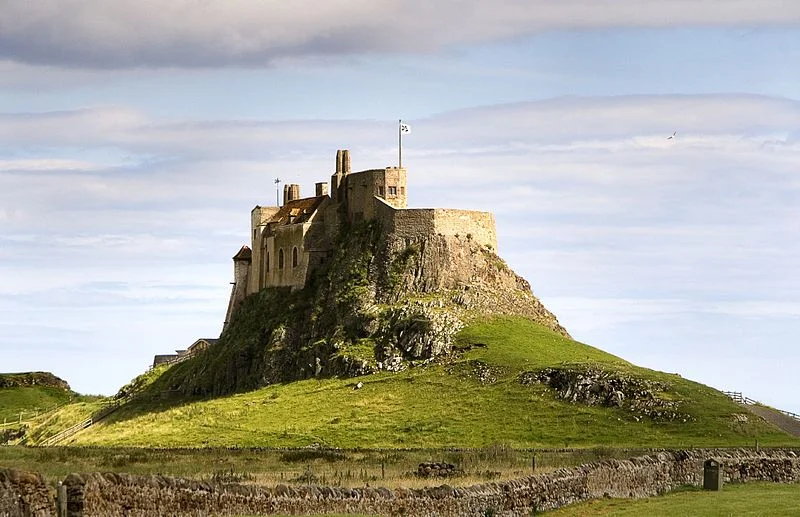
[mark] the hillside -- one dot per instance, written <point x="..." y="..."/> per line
<point x="427" y="341"/>
<point x="483" y="395"/>
<point x="30" y="393"/>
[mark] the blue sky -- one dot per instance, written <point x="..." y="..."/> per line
<point x="135" y="138"/>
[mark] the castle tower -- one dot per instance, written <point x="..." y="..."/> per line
<point x="241" y="270"/>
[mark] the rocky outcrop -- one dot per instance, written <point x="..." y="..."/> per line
<point x="30" y="379"/>
<point x="475" y="279"/>
<point x="380" y="303"/>
<point x="610" y="388"/>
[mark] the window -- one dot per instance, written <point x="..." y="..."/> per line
<point x="294" y="257"/>
<point x="280" y="258"/>
<point x="255" y="233"/>
<point x="402" y="191"/>
<point x="266" y="262"/>
<point x="392" y="191"/>
<point x="380" y="191"/>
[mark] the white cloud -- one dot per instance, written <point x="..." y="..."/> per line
<point x="618" y="230"/>
<point x="128" y="33"/>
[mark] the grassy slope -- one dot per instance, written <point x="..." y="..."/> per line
<point x="29" y="401"/>
<point x="436" y="406"/>
<point x="752" y="499"/>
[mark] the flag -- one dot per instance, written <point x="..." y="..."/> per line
<point x="405" y="128"/>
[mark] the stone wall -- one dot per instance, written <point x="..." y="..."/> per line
<point x="478" y="227"/>
<point x="24" y="494"/>
<point x="120" y="494"/>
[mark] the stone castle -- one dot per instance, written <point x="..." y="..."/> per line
<point x="289" y="242"/>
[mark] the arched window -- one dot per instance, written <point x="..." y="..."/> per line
<point x="280" y="258"/>
<point x="294" y="256"/>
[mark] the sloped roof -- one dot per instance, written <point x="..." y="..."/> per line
<point x="210" y="340"/>
<point x="297" y="211"/>
<point x="244" y="254"/>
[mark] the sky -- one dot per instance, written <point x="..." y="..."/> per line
<point x="136" y="136"/>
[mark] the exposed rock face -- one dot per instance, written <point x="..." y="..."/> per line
<point x="596" y="387"/>
<point x="29" y="379"/>
<point x="381" y="303"/>
<point x="475" y="277"/>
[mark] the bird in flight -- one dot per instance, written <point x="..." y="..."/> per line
<point x="672" y="136"/>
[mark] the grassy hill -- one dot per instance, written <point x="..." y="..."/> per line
<point x="483" y="395"/>
<point x="27" y="394"/>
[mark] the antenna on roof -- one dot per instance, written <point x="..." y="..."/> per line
<point x="277" y="191"/>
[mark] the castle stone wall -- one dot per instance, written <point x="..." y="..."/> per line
<point x="476" y="226"/>
<point x="287" y="238"/>
<point x="258" y="220"/>
<point x="121" y="494"/>
<point x="415" y="223"/>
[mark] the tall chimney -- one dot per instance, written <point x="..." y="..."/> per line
<point x="346" y="161"/>
<point x="339" y="167"/>
<point x="291" y="191"/>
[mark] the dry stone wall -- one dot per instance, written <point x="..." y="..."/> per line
<point x="24" y="494"/>
<point x="120" y="494"/>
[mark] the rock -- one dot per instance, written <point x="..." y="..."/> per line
<point x="359" y="386"/>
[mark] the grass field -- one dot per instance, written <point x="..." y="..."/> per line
<point x="350" y="468"/>
<point x="439" y="405"/>
<point x="742" y="500"/>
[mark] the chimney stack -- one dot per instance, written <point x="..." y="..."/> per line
<point x="321" y="189"/>
<point x="291" y="191"/>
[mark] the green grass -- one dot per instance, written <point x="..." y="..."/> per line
<point x="437" y="405"/>
<point x="390" y="468"/>
<point x="30" y="401"/>
<point x="741" y="500"/>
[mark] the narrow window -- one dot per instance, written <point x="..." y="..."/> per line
<point x="392" y="191"/>
<point x="402" y="191"/>
<point x="280" y="258"/>
<point x="380" y="191"/>
<point x="294" y="256"/>
<point x="266" y="261"/>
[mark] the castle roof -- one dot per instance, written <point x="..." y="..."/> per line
<point x="244" y="254"/>
<point x="297" y="210"/>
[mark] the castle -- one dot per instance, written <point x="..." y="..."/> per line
<point x="289" y="242"/>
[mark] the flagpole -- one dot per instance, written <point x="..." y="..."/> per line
<point x="400" y="144"/>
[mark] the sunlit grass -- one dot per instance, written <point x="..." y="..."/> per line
<point x="437" y="406"/>
<point x="741" y="500"/>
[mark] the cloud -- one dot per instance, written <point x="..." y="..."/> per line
<point x="211" y="33"/>
<point x="619" y="231"/>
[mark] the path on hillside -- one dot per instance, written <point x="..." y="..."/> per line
<point x="785" y="422"/>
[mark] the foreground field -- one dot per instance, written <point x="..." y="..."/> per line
<point x="475" y="400"/>
<point x="348" y="468"/>
<point x="742" y="500"/>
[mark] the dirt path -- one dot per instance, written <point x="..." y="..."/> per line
<point x="785" y="422"/>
